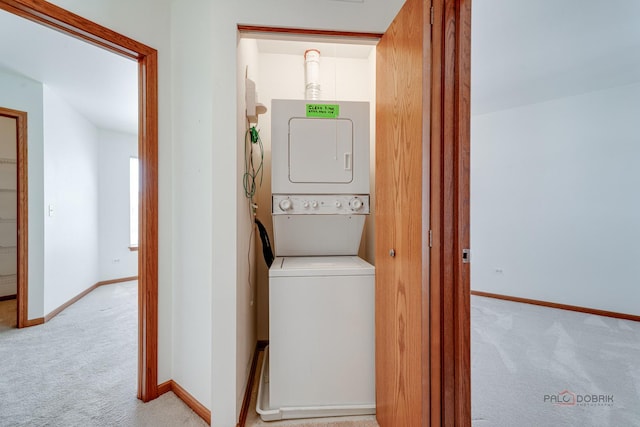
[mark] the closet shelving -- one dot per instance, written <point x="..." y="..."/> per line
<point x="8" y="223"/>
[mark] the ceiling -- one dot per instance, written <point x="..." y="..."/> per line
<point x="530" y="51"/>
<point x="102" y="86"/>
<point x="523" y="52"/>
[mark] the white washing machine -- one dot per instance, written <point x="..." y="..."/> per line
<point x="320" y="359"/>
<point x="321" y="342"/>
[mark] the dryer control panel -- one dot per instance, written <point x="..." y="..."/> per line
<point x="320" y="204"/>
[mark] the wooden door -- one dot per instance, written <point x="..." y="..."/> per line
<point x="402" y="153"/>
<point x="422" y="216"/>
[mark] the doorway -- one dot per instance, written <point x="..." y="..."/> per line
<point x="427" y="368"/>
<point x="8" y="220"/>
<point x="75" y="26"/>
<point x="13" y="218"/>
<point x="275" y="62"/>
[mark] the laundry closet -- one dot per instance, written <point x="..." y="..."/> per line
<point x="312" y="103"/>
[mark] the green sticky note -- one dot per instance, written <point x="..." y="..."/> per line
<point x="327" y="111"/>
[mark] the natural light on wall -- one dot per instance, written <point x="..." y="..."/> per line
<point x="133" y="201"/>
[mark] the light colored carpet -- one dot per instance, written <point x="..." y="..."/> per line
<point x="253" y="419"/>
<point x="80" y="369"/>
<point x="521" y="353"/>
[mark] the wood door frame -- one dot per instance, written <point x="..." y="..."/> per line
<point x="22" y="210"/>
<point x="449" y="292"/>
<point x="59" y="19"/>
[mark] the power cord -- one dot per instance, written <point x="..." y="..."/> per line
<point x="251" y="173"/>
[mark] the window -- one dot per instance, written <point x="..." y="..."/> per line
<point x="134" y="194"/>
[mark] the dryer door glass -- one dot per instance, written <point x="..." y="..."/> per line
<point x="320" y="150"/>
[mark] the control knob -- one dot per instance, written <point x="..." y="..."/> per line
<point x="314" y="204"/>
<point x="285" y="204"/>
<point x="355" y="204"/>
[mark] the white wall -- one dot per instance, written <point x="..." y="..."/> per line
<point x="554" y="201"/>
<point x="282" y="76"/>
<point x="247" y="232"/>
<point x="71" y="202"/>
<point x="20" y="93"/>
<point x="369" y="237"/>
<point x="192" y="152"/>
<point x="114" y="151"/>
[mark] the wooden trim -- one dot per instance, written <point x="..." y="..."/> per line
<point x="22" y="222"/>
<point x="246" y="401"/>
<point x="163" y="388"/>
<point x="187" y="398"/>
<point x="148" y="228"/>
<point x="450" y="277"/>
<point x="448" y="234"/>
<point x="34" y="322"/>
<point x="461" y="213"/>
<point x="427" y="327"/>
<point x="74" y="25"/>
<point x="112" y="281"/>
<point x="306" y="32"/>
<point x="587" y="310"/>
<point x="71" y="24"/>
<point x="8" y="297"/>
<point x="191" y="402"/>
<point x="435" y="218"/>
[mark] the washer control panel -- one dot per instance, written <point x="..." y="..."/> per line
<point x="320" y="204"/>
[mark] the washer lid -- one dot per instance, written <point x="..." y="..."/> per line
<point x="320" y="266"/>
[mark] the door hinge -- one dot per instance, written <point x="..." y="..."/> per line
<point x="430" y="238"/>
<point x="431" y="15"/>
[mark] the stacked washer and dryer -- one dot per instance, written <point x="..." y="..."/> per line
<point x="320" y="358"/>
